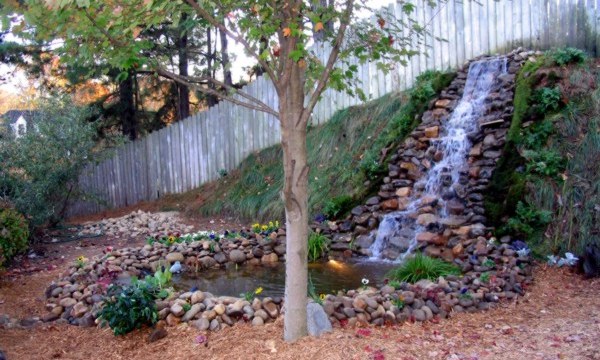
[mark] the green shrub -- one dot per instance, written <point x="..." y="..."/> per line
<point x="422" y="267"/>
<point x="568" y="55"/>
<point x="527" y="220"/>
<point x="544" y="162"/>
<point x="14" y="234"/>
<point x="317" y="246"/>
<point x="337" y="206"/>
<point x="546" y="100"/>
<point x="39" y="170"/>
<point x="127" y="308"/>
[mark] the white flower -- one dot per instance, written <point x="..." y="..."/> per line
<point x="365" y="281"/>
<point x="523" y="252"/>
<point x="570" y="259"/>
<point x="552" y="260"/>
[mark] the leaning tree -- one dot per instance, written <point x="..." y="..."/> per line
<point x="279" y="36"/>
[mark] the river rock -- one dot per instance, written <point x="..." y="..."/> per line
<point x="258" y="321"/>
<point x="270" y="258"/>
<point x="201" y="324"/>
<point x="67" y="302"/>
<point x="177" y="309"/>
<point x="174" y="257"/>
<point x="195" y="309"/>
<point x="271" y="309"/>
<point x="237" y="256"/>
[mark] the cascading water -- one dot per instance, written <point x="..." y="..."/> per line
<point x="399" y="229"/>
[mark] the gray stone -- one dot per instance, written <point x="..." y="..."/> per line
<point x="419" y="315"/>
<point x="214" y="325"/>
<point x="317" y="320"/>
<point x="220" y="257"/>
<point x="364" y="241"/>
<point x="201" y="324"/>
<point x="177" y="310"/>
<point x="195" y="309"/>
<point x="86" y="321"/>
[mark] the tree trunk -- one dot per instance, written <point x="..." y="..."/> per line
<point x="295" y="196"/>
<point x="211" y="100"/>
<point x="127" y="107"/>
<point x="227" y="80"/>
<point x="183" y="92"/>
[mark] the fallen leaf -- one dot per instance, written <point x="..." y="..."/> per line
<point x="319" y="26"/>
<point x="287" y="32"/>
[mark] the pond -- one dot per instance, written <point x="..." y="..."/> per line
<point x="327" y="277"/>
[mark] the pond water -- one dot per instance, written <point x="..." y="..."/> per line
<point x="327" y="277"/>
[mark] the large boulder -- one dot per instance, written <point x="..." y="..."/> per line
<point x="317" y="320"/>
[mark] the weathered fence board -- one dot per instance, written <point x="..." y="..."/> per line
<point x="191" y="152"/>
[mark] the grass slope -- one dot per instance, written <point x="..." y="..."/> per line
<point x="346" y="156"/>
<point x="546" y="188"/>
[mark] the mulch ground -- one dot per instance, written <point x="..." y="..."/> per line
<point x="559" y="318"/>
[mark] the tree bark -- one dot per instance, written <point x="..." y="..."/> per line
<point x="295" y="196"/>
<point x="211" y="100"/>
<point x="227" y="80"/>
<point x="127" y="107"/>
<point x="183" y="92"/>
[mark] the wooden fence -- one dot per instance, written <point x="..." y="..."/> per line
<point x="191" y="152"/>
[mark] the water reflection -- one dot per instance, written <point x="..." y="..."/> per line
<point x="328" y="277"/>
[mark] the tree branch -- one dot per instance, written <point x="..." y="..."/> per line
<point x="254" y="104"/>
<point x="322" y="82"/>
<point x="235" y="36"/>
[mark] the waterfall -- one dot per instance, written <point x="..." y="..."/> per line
<point x="398" y="230"/>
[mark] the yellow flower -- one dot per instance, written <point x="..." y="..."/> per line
<point x="264" y="228"/>
<point x="256" y="226"/>
<point x="258" y="290"/>
<point x="277" y="224"/>
<point x="81" y="258"/>
<point x="171" y="239"/>
<point x="322" y="296"/>
<point x="270" y="224"/>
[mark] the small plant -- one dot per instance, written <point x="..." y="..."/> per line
<point x="160" y="279"/>
<point x="312" y="292"/>
<point x="186" y="307"/>
<point x="465" y="294"/>
<point x="485" y="277"/>
<point x="222" y="173"/>
<point x="488" y="263"/>
<point x="129" y="307"/>
<point x="14" y="234"/>
<point x="249" y="295"/>
<point x="399" y="303"/>
<point x="395" y="284"/>
<point x="337" y="206"/>
<point x="423" y="267"/>
<point x="317" y="246"/>
<point x="371" y="166"/>
<point x="80" y="261"/>
<point x="547" y="100"/>
<point x="568" y="55"/>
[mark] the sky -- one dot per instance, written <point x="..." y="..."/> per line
<point x="17" y="81"/>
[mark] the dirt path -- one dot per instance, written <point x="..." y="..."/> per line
<point x="559" y="318"/>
